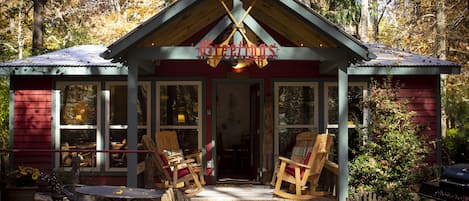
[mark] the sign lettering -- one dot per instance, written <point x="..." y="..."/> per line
<point x="241" y="51"/>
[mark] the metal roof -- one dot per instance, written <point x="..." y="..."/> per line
<point x="388" y="57"/>
<point x="81" y="55"/>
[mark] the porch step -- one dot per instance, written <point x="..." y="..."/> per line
<point x="243" y="192"/>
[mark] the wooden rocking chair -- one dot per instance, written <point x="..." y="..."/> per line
<point x="299" y="174"/>
<point x="304" y="142"/>
<point x="173" y="169"/>
<point x="168" y="141"/>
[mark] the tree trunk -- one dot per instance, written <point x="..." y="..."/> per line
<point x="19" y="35"/>
<point x="440" y="40"/>
<point x="38" y="27"/>
<point x="440" y="51"/>
<point x="364" y="21"/>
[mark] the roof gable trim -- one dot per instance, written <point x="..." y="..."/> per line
<point x="146" y="28"/>
<point x="329" y="29"/>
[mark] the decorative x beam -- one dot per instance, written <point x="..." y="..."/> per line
<point x="252" y="53"/>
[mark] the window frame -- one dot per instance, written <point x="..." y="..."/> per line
<point x="200" y="95"/>
<point x="106" y="92"/>
<point x="328" y="126"/>
<point x="59" y="126"/>
<point x="277" y="126"/>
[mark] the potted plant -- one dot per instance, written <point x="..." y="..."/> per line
<point x="22" y="183"/>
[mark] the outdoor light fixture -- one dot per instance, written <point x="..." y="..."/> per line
<point x="240" y="65"/>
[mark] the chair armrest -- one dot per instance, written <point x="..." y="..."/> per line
<point x="288" y="161"/>
<point x="331" y="166"/>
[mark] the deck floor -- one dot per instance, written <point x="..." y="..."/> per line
<point x="246" y="192"/>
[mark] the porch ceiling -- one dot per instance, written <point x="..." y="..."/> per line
<point x="268" y="13"/>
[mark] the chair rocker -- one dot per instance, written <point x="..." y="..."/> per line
<point x="173" y="168"/>
<point x="168" y="141"/>
<point x="299" y="174"/>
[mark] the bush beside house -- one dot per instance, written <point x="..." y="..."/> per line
<point x="394" y="159"/>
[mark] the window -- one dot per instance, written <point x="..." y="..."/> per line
<point x="116" y="121"/>
<point x="356" y="92"/>
<point x="179" y="108"/>
<point x="80" y="119"/>
<point x="78" y="127"/>
<point x="296" y="111"/>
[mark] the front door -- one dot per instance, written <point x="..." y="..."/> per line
<point x="237" y="129"/>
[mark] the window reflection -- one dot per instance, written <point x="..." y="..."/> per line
<point x="179" y="105"/>
<point x="178" y="110"/>
<point x="296" y="105"/>
<point x="78" y="105"/>
<point x="355" y="96"/>
<point x="118" y="122"/>
<point x="118" y="105"/>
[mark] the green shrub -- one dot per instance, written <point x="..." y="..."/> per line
<point x="4" y="114"/>
<point x="393" y="159"/>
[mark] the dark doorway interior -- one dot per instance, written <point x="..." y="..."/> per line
<point x="237" y="128"/>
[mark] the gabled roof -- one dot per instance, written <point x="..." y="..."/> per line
<point x="288" y="18"/>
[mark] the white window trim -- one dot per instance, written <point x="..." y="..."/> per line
<point x="326" y="106"/>
<point x="198" y="127"/>
<point x="107" y="97"/>
<point x="277" y="126"/>
<point x="99" y="142"/>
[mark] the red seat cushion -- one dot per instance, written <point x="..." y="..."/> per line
<point x="290" y="169"/>
<point x="181" y="172"/>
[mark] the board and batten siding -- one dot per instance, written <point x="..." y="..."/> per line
<point x="32" y="121"/>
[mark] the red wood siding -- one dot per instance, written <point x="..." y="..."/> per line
<point x="32" y="121"/>
<point x="422" y="94"/>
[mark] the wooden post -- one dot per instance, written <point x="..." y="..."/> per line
<point x="75" y="169"/>
<point x="149" y="172"/>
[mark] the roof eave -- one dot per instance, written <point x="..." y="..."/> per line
<point x="60" y="70"/>
<point x="404" y="70"/>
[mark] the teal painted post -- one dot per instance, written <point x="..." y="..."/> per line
<point x="343" y="134"/>
<point x="11" y="121"/>
<point x="132" y="90"/>
<point x="439" y="130"/>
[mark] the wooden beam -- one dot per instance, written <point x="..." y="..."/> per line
<point x="259" y="31"/>
<point x="216" y="30"/>
<point x="192" y="53"/>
